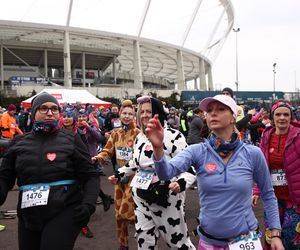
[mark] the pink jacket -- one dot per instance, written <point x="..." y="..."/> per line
<point x="291" y="159"/>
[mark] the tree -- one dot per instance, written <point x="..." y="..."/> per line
<point x="173" y="100"/>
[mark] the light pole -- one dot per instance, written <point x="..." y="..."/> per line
<point x="236" y="59"/>
<point x="274" y="73"/>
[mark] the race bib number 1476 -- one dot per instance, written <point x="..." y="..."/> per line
<point x="37" y="196"/>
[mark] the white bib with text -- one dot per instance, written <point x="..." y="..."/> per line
<point x="124" y="153"/>
<point x="278" y="177"/>
<point x="249" y="241"/>
<point x="246" y="244"/>
<point x="37" y="196"/>
<point x="142" y="179"/>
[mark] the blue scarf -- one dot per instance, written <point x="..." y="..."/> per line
<point x="43" y="128"/>
<point x="223" y="147"/>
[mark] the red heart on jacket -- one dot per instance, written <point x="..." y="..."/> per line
<point x="130" y="143"/>
<point x="51" y="156"/>
<point x="148" y="147"/>
<point x="211" y="167"/>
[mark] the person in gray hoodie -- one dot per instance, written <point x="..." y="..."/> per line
<point x="196" y="125"/>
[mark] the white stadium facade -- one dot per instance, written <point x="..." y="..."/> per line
<point x="111" y="47"/>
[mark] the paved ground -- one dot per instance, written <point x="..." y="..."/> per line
<point x="102" y="224"/>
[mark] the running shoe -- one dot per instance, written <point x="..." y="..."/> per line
<point x="98" y="202"/>
<point x="106" y="202"/>
<point x="112" y="201"/>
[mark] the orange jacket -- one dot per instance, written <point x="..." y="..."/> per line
<point x="9" y="122"/>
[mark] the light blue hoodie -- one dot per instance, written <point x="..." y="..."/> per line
<point x="226" y="190"/>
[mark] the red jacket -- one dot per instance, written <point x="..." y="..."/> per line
<point x="291" y="158"/>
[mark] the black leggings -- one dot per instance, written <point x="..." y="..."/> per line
<point x="59" y="233"/>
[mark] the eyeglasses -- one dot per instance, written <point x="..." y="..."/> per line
<point x="45" y="109"/>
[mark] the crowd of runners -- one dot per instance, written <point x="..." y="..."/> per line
<point x="232" y="154"/>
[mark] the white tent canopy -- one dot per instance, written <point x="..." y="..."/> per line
<point x="71" y="96"/>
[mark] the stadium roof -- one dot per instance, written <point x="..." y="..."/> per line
<point x="107" y="28"/>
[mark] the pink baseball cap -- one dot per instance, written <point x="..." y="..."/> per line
<point x="226" y="100"/>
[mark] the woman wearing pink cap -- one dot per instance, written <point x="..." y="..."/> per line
<point x="226" y="169"/>
<point x="281" y="146"/>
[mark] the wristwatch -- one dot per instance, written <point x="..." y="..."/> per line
<point x="276" y="234"/>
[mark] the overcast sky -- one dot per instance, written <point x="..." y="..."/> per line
<point x="269" y="33"/>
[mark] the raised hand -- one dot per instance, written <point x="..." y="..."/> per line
<point x="155" y="132"/>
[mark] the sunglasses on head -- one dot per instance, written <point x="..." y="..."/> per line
<point x="143" y="99"/>
<point x="281" y="103"/>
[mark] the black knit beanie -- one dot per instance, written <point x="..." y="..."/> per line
<point x="157" y="108"/>
<point x="229" y="90"/>
<point x="39" y="100"/>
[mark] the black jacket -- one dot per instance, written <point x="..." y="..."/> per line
<point x="33" y="158"/>
<point x="195" y="129"/>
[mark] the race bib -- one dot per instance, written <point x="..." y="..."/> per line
<point x="36" y="196"/>
<point x="123" y="153"/>
<point x="249" y="242"/>
<point x="116" y="123"/>
<point x="142" y="179"/>
<point x="278" y="177"/>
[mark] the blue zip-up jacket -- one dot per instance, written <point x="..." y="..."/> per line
<point x="225" y="190"/>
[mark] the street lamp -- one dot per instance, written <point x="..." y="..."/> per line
<point x="236" y="59"/>
<point x="274" y="73"/>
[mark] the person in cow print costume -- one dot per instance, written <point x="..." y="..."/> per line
<point x="159" y="204"/>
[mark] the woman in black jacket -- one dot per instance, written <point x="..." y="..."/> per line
<point x="57" y="181"/>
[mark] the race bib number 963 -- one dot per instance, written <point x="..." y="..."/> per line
<point x="246" y="245"/>
<point x="248" y="241"/>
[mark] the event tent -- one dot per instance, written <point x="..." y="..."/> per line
<point x="70" y="96"/>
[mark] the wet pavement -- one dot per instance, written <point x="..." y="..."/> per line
<point x="102" y="223"/>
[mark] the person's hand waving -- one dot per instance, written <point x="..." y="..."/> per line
<point x="155" y="134"/>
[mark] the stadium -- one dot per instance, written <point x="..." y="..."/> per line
<point x="112" y="48"/>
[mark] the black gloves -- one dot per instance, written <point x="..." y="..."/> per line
<point x="118" y="175"/>
<point x="182" y="184"/>
<point x="82" y="214"/>
<point x="3" y="194"/>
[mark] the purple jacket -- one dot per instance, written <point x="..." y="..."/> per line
<point x="91" y="137"/>
<point x="291" y="158"/>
